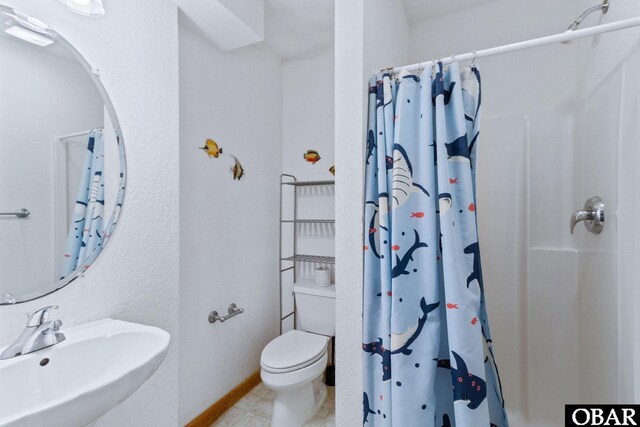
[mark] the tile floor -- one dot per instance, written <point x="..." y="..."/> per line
<point x="254" y="410"/>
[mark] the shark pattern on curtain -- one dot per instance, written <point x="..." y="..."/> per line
<point x="85" y="238"/>
<point x="427" y="348"/>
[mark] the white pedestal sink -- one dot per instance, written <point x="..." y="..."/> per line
<point x="75" y="382"/>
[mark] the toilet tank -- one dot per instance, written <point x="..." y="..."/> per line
<point x="316" y="308"/>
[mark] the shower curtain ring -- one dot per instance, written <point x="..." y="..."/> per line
<point x="436" y="64"/>
<point x="474" y="59"/>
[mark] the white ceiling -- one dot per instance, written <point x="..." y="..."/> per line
<point x="294" y="28"/>
<point x="421" y="10"/>
<point x="228" y="24"/>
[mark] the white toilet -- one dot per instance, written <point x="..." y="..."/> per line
<point x="293" y="363"/>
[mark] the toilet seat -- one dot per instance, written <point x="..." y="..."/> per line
<point x="293" y="351"/>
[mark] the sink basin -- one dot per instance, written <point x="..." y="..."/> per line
<point x="75" y="382"/>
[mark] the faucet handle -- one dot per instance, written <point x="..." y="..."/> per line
<point x="38" y="317"/>
<point x="55" y="326"/>
<point x="592" y="215"/>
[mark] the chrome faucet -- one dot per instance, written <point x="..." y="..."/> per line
<point x="38" y="334"/>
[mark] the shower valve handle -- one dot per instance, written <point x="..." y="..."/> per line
<point x="592" y="215"/>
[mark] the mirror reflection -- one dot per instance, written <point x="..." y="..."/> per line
<point x="61" y="161"/>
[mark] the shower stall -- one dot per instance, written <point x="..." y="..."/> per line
<point x="559" y="126"/>
<point x="561" y="304"/>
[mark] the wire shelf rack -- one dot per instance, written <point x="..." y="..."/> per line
<point x="291" y="263"/>
<point x="308" y="183"/>
<point x="318" y="259"/>
<point x="310" y="221"/>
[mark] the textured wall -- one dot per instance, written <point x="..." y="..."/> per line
<point x="229" y="229"/>
<point x="360" y="51"/>
<point x="136" y="277"/>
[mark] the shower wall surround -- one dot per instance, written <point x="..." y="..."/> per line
<point x="607" y="125"/>
<point x="136" y="277"/>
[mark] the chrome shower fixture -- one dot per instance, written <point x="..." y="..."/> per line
<point x="604" y="8"/>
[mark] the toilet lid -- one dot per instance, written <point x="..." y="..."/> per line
<point x="293" y="350"/>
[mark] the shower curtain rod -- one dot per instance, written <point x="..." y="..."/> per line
<point x="74" y="135"/>
<point x="528" y="44"/>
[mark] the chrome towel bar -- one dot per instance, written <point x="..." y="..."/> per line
<point x="233" y="311"/>
<point x="20" y="213"/>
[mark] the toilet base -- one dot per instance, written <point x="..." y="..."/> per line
<point x="292" y="408"/>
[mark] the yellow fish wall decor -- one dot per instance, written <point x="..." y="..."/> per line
<point x="332" y="170"/>
<point x="312" y="156"/>
<point x="211" y="148"/>
<point x="237" y="170"/>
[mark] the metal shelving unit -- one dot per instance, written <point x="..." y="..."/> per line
<point x="308" y="221"/>
<point x="291" y="261"/>
<point x="296" y="183"/>
<point x="317" y="259"/>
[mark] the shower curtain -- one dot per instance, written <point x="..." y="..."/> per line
<point x="427" y="349"/>
<point x="86" y="228"/>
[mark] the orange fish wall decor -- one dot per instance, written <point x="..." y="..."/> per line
<point x="311" y="156"/>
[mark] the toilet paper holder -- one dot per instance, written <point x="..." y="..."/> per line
<point x="233" y="311"/>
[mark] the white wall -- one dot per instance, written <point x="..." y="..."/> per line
<point x="229" y="229"/>
<point x="308" y="124"/>
<point x="370" y="35"/>
<point x="136" y="276"/>
<point x="308" y="114"/>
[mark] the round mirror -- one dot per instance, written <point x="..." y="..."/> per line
<point x="62" y="164"/>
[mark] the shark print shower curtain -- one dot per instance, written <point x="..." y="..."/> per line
<point x="86" y="229"/>
<point x="428" y="356"/>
